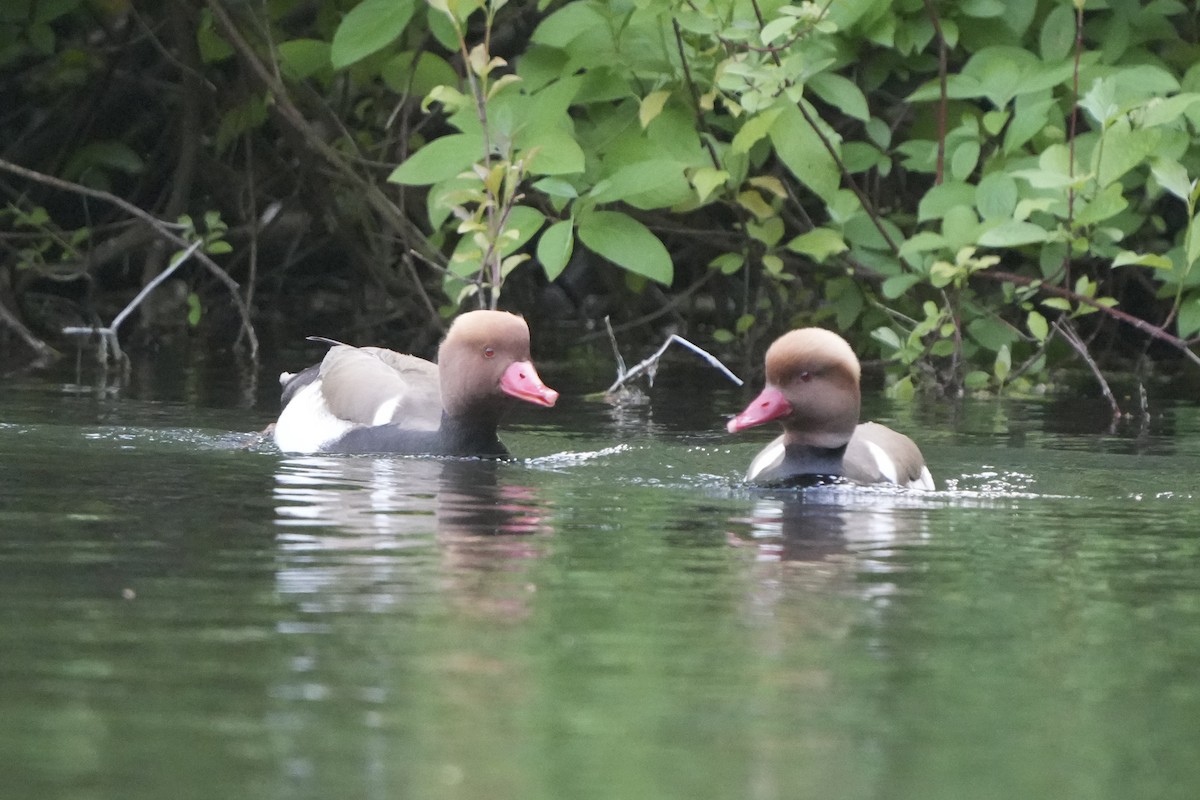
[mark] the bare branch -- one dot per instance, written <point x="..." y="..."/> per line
<point x="163" y="229"/>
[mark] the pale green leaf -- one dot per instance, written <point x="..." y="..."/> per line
<point x="651" y="106"/>
<point x="1037" y="326"/>
<point x="818" y="244"/>
<point x="707" y="180"/>
<point x="887" y="337"/>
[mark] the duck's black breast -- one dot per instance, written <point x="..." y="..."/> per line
<point x="452" y="438"/>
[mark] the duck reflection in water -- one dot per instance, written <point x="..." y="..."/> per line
<point x="380" y="529"/>
<point x="834" y="522"/>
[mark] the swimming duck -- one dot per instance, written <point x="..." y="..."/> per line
<point x="813" y="390"/>
<point x="374" y="400"/>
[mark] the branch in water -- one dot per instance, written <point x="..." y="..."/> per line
<point x="649" y="366"/>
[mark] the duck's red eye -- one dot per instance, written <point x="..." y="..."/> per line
<point x="489" y="352"/>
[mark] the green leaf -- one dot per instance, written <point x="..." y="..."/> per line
<point x="801" y="150"/>
<point x="897" y="285"/>
<point x="753" y="130"/>
<point x="1003" y="366"/>
<point x="1187" y="322"/>
<point x="1037" y="325"/>
<point x="886" y="337"/>
<point x="1013" y="234"/>
<point x="818" y="244"/>
<point x="652" y="105"/>
<point x="1057" y="303"/>
<point x="1058" y="33"/>
<point x="964" y="159"/>
<point x="303" y="58"/>
<point x="369" y="27"/>
<point x="1124" y="148"/>
<point x="706" y="180"/>
<point x="557" y="187"/>
<point x="727" y="263"/>
<point x="639" y="178"/>
<point x="942" y="198"/>
<point x="1169" y="110"/>
<point x="195" y="310"/>
<point x="439" y="160"/>
<point x="1172" y="176"/>
<point x="1193" y="243"/>
<point x="404" y="76"/>
<point x="554" y="150"/>
<point x="627" y="243"/>
<point x="555" y="247"/>
<point x="841" y="93"/>
<point x="990" y="333"/>
<point x="1108" y="203"/>
<point x="996" y="196"/>
<point x="109" y="154"/>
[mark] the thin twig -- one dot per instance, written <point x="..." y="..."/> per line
<point x="108" y="335"/>
<point x="44" y="351"/>
<point x="1068" y="332"/>
<point x="163" y="229"/>
<point x="650" y="364"/>
<point x="1142" y="325"/>
<point x="158" y="279"/>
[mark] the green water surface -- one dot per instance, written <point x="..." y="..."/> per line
<point x="612" y="615"/>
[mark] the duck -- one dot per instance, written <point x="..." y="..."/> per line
<point x="812" y="390"/>
<point x="376" y="400"/>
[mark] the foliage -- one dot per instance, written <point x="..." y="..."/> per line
<point x="964" y="185"/>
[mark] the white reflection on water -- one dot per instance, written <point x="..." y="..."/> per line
<point x="374" y="533"/>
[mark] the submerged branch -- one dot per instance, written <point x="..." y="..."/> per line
<point x="1068" y="332"/>
<point x="107" y="337"/>
<point x="649" y="365"/>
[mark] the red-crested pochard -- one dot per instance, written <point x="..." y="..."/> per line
<point x="372" y="400"/>
<point x="813" y="390"/>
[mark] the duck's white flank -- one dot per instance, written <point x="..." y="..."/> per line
<point x="768" y="458"/>
<point x="305" y="424"/>
<point x="883" y="462"/>
<point x="923" y="482"/>
<point x="383" y="415"/>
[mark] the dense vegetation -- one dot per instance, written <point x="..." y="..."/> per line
<point x="977" y="191"/>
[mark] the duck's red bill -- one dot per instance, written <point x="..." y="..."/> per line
<point x="769" y="405"/>
<point x="522" y="381"/>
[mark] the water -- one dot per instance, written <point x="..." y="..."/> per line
<point x="185" y="614"/>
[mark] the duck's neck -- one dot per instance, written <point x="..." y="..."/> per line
<point x="466" y="435"/>
<point x="809" y="465"/>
